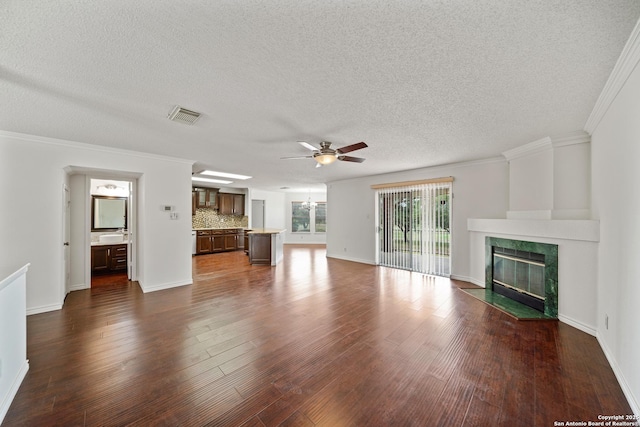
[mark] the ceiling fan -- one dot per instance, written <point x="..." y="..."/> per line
<point x="326" y="155"/>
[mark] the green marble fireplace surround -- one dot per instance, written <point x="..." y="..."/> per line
<point x="550" y="253"/>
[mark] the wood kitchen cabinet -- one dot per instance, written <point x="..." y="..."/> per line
<point x="206" y="198"/>
<point x="203" y="242"/>
<point x="231" y="204"/>
<point x="107" y="259"/>
<point x="219" y="240"/>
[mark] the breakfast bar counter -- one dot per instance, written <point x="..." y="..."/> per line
<point x="265" y="246"/>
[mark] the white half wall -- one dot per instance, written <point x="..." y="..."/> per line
<point x="13" y="337"/>
<point x="32" y="173"/>
<point x="480" y="190"/>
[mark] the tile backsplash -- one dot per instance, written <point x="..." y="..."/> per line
<point x="209" y="218"/>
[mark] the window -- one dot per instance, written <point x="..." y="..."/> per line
<point x="305" y="219"/>
<point x="321" y="217"/>
<point x="300" y="218"/>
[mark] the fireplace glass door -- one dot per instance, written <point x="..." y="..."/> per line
<point x="520" y="276"/>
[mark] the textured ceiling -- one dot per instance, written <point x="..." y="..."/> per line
<point x="422" y="82"/>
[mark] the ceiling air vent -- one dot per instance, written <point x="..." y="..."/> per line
<point x="182" y="115"/>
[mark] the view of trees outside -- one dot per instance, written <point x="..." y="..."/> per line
<point x="408" y="227"/>
<point x="321" y="217"/>
<point x="300" y="218"/>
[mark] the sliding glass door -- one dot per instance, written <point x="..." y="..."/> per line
<point x="414" y="231"/>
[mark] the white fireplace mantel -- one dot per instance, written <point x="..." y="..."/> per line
<point x="577" y="241"/>
<point x="564" y="229"/>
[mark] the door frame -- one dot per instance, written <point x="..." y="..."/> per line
<point x="132" y="222"/>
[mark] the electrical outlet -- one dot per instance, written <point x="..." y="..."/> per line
<point x="606" y="321"/>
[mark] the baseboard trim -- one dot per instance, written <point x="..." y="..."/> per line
<point x="78" y="287"/>
<point x="578" y="325"/>
<point x="468" y="279"/>
<point x="13" y="390"/>
<point x="360" y="260"/>
<point x="43" y="309"/>
<point x="163" y="286"/>
<point x="633" y="402"/>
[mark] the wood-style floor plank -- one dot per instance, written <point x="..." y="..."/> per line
<point x="312" y="342"/>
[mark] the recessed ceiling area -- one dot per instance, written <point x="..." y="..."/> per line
<point x="422" y="83"/>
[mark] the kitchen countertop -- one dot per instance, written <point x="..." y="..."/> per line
<point x="248" y="230"/>
<point x="265" y="230"/>
<point x="218" y="228"/>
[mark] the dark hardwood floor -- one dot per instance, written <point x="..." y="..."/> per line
<point x="311" y="342"/>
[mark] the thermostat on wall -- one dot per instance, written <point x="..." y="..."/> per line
<point x="167" y="208"/>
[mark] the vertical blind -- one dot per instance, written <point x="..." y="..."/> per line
<point x="414" y="228"/>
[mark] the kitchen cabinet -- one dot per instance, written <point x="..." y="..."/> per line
<point x="245" y="241"/>
<point x="203" y="242"/>
<point x="231" y="204"/>
<point x="206" y="198"/>
<point x="107" y="259"/>
<point x="219" y="240"/>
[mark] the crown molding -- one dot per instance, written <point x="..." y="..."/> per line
<point x="534" y="147"/>
<point x="578" y="137"/>
<point x="625" y="65"/>
<point x="91" y="147"/>
<point x="547" y="143"/>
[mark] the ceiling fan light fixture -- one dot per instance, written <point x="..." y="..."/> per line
<point x="325" y="159"/>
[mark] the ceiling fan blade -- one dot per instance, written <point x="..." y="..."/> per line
<point x="351" y="159"/>
<point x="296" y="157"/>
<point x="307" y="145"/>
<point x="352" y="147"/>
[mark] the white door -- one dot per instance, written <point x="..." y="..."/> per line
<point x="66" y="233"/>
<point x="257" y="213"/>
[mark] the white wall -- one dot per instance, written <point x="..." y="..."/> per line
<point x="32" y="173"/>
<point x="572" y="179"/>
<point x="550" y="178"/>
<point x="274" y="207"/>
<point x="615" y="161"/>
<point x="480" y="190"/>
<point x="306" y="238"/>
<point x="531" y="180"/>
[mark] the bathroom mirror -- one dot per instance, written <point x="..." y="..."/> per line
<point x="108" y="213"/>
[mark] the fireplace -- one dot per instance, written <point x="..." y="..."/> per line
<point x="526" y="272"/>
<point x="519" y="275"/>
